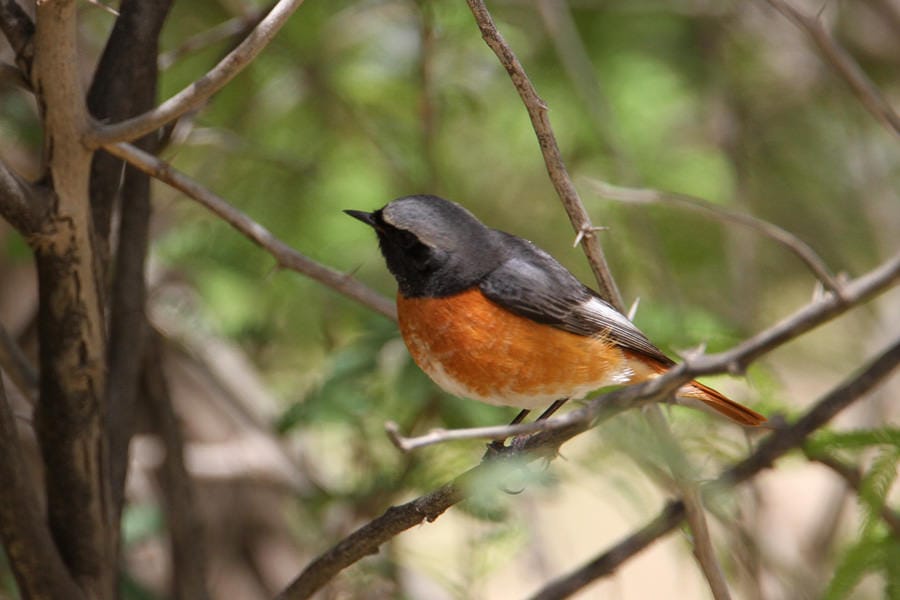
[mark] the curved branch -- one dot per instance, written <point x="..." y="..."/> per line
<point x="286" y="256"/>
<point x="794" y="244"/>
<point x="556" y="168"/>
<point x="199" y="91"/>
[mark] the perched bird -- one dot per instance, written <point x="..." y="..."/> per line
<point x="492" y="317"/>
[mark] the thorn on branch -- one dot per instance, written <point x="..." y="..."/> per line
<point x="587" y="231"/>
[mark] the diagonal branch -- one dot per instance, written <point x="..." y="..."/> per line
<point x="39" y="570"/>
<point x="841" y="61"/>
<point x="202" y="89"/>
<point x="22" y="204"/>
<point x="286" y="256"/>
<point x="771" y="448"/>
<point x="556" y="168"/>
<point x="801" y="249"/>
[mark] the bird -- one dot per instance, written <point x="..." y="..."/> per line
<point x="490" y="316"/>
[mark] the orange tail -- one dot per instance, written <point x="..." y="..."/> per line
<point x="704" y="397"/>
<point x="724" y="406"/>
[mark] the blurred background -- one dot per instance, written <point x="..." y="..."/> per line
<point x="283" y="387"/>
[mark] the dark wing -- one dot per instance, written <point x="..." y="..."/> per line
<point x="531" y="283"/>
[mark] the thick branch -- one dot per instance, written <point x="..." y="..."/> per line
<point x="39" y="570"/>
<point x="556" y="168"/>
<point x="286" y="256"/>
<point x="201" y="90"/>
<point x="71" y="316"/>
<point x="847" y="68"/>
<point x="124" y="85"/>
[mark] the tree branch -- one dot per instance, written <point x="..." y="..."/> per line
<point x="556" y="168"/>
<point x="693" y="505"/>
<point x="202" y="89"/>
<point x="124" y="85"/>
<point x="39" y="570"/>
<point x="71" y="316"/>
<point x="843" y="64"/>
<point x="769" y="450"/>
<point x="285" y="256"/>
<point x="794" y="244"/>
<point x="19" y="31"/>
<point x="22" y="204"/>
<point x="233" y="28"/>
<point x="188" y="554"/>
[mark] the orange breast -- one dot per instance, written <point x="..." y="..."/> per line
<point x="473" y="348"/>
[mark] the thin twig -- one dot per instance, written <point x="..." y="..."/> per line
<point x="694" y="512"/>
<point x="223" y="31"/>
<point x="801" y="249"/>
<point x="556" y="168"/>
<point x="841" y="61"/>
<point x="285" y="256"/>
<point x="202" y="89"/>
<point x="769" y="450"/>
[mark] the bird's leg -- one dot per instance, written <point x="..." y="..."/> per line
<point x="552" y="409"/>
<point x="498" y="446"/>
<point x="520" y="417"/>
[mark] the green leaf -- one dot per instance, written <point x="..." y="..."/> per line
<point x="876" y="484"/>
<point x="865" y="556"/>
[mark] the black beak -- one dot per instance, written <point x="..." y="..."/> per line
<point x="367" y="218"/>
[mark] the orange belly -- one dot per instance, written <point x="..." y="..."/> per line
<point x="473" y="348"/>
